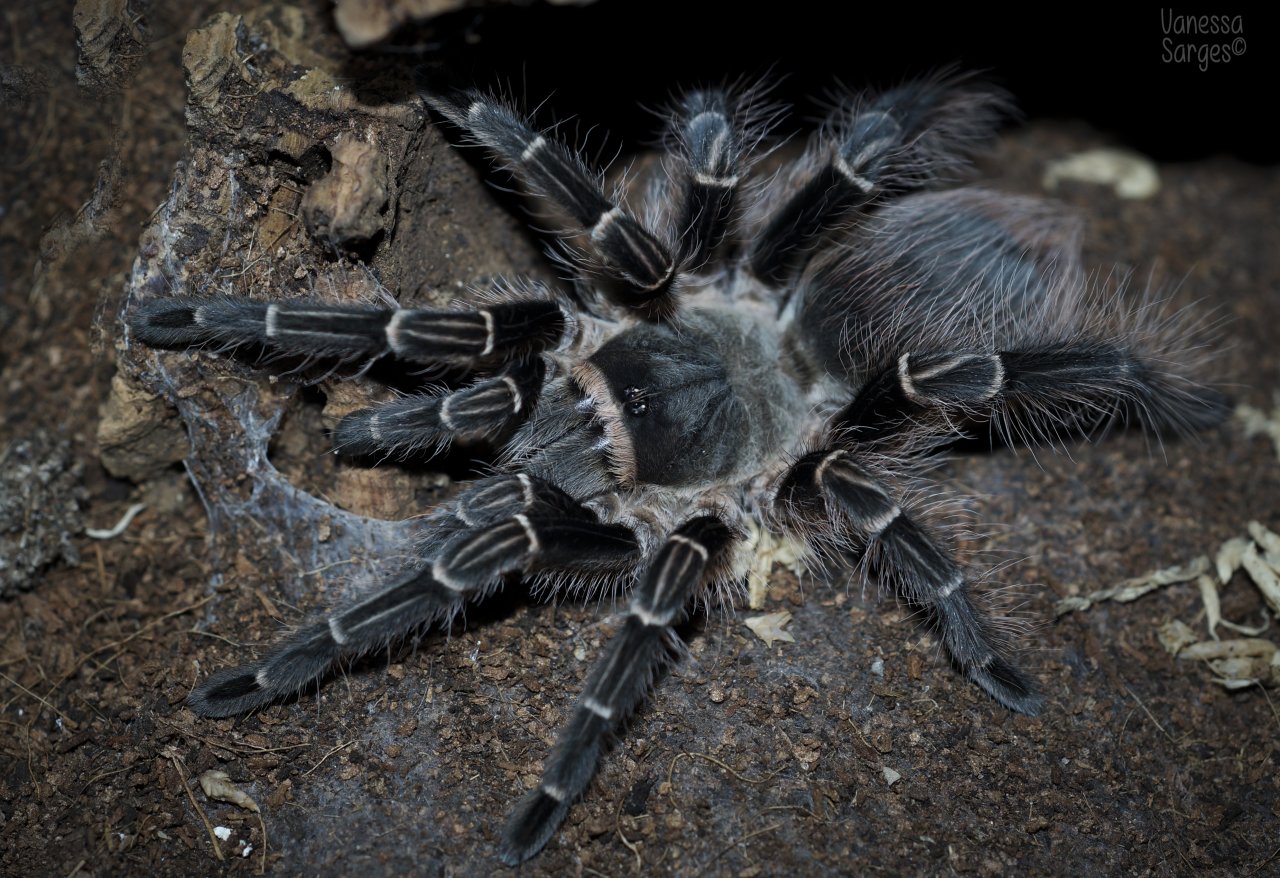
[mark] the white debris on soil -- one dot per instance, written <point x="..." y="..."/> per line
<point x="1129" y="174"/>
<point x="222" y="832"/>
<point x="763" y="550"/>
<point x="1236" y="663"/>
<point x="1132" y="589"/>
<point x="1259" y="423"/>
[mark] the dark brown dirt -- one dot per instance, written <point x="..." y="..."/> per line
<point x="749" y="761"/>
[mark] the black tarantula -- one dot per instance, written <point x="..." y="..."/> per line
<point x="788" y="351"/>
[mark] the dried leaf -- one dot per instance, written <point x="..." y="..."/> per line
<point x="1239" y="648"/>
<point x="769" y="627"/>
<point x="1263" y="577"/>
<point x="1175" y="636"/>
<point x="1132" y="589"/>
<point x="1267" y="540"/>
<point x="217" y="785"/>
<point x="1228" y="559"/>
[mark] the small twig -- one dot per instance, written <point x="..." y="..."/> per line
<point x="1274" y="712"/>
<point x="733" y="844"/>
<point x="1274" y="854"/>
<point x="97" y="777"/>
<point x="76" y="868"/>
<point x="102" y="569"/>
<point x="714" y="761"/>
<point x="43" y="701"/>
<point x="118" y="643"/>
<point x="630" y="845"/>
<point x="224" y="745"/>
<point x="180" y="769"/>
<point x="1151" y="715"/>
<point x="262" y="864"/>
<point x="327" y="755"/>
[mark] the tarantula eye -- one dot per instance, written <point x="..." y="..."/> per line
<point x="636" y="400"/>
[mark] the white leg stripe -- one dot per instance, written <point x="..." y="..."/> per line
<point x="197" y="316"/>
<point x="393" y="329"/>
<point x="488" y="328"/>
<point x="826" y="461"/>
<point x="863" y="483"/>
<point x="374" y="430"/>
<point x="261" y="678"/>
<point x="554" y="791"/>
<point x="336" y="632"/>
<point x="651" y="619"/>
<point x="862" y="183"/>
<point x="271" y="321"/>
<point x="660" y="282"/>
<point x="526" y="484"/>
<point x="715" y="182"/>
<point x="534" y="543"/>
<point x="876" y="526"/>
<point x="904" y="378"/>
<point x="445" y="417"/>
<point x="951" y="587"/>
<point x="475" y="111"/>
<point x="944" y="366"/>
<point x="907" y="380"/>
<point x="697" y="546"/>
<point x="532" y="149"/>
<point x="608" y="218"/>
<point x="998" y="384"/>
<point x="515" y="392"/>
<point x="600" y="710"/>
<point x="438" y="574"/>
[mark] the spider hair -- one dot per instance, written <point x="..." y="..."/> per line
<point x="790" y="353"/>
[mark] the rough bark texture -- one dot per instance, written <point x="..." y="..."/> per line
<point x="259" y="157"/>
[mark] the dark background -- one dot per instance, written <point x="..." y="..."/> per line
<point x="1103" y="64"/>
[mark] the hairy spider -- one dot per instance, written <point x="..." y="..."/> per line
<point x="789" y="351"/>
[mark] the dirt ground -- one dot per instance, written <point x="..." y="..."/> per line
<point x="854" y="749"/>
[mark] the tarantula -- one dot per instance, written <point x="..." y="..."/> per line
<point x="787" y="350"/>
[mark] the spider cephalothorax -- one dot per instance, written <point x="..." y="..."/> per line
<point x="785" y="353"/>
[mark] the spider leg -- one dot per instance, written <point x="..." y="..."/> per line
<point x="481" y="411"/>
<point x="1034" y="393"/>
<point x="476" y="557"/>
<point x="308" y="654"/>
<point x="498" y="332"/>
<point x="626" y="250"/>
<point x="828" y="488"/>
<point x="710" y="147"/>
<point x="898" y="140"/>
<point x="617" y="681"/>
<point x="500" y="525"/>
